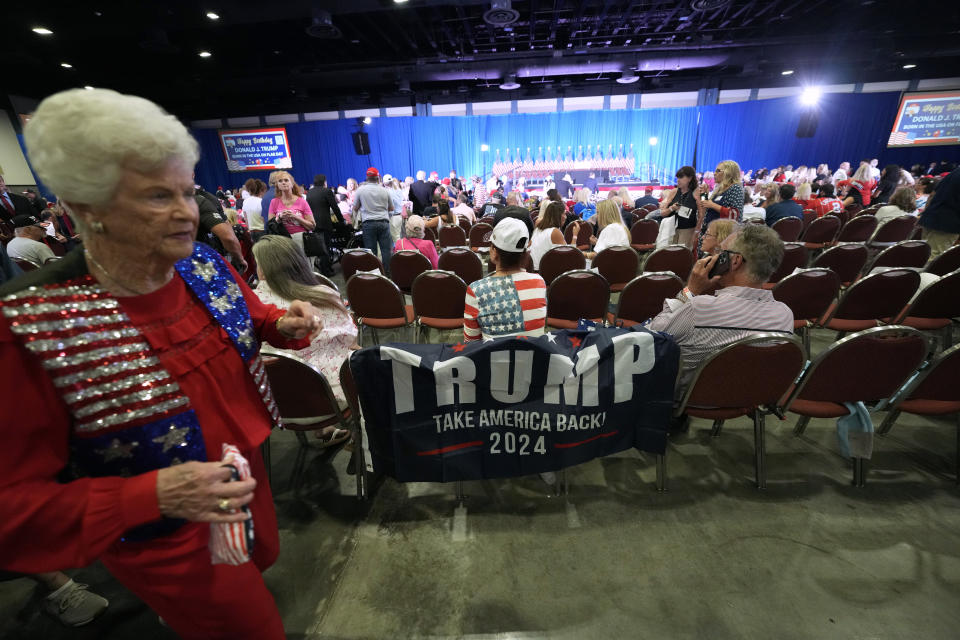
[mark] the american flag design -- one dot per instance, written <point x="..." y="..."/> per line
<point x="498" y="306"/>
<point x="899" y="138"/>
<point x="231" y="543"/>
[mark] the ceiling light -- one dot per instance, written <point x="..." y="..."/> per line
<point x="788" y="72"/>
<point x="43" y="31"/>
<point x="653" y="140"/>
<point x="628" y="77"/>
<point x="909" y="66"/>
<point x="204" y="54"/>
<point x="367" y="120"/>
<point x="399" y="1"/>
<point x="88" y="88"/>
<point x="66" y="65"/>
<point x="212" y="15"/>
<point x="484" y="147"/>
<point x="510" y="83"/>
<point x="811" y="96"/>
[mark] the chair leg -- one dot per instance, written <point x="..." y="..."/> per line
<point x="840" y="336"/>
<point x="859" y="474"/>
<point x="662" y="469"/>
<point x="805" y="336"/>
<point x="958" y="450"/>
<point x="717" y="427"/>
<point x="888" y="422"/>
<point x="801" y="425"/>
<point x="265" y="454"/>
<point x="760" y="448"/>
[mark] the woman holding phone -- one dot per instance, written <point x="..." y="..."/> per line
<point x="291" y="208"/>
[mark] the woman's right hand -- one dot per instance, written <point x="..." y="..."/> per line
<point x="194" y="490"/>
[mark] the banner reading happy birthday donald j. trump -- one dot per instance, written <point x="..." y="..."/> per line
<point x="509" y="406"/>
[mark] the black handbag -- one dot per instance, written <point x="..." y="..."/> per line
<point x="312" y="244"/>
<point x="275" y="227"/>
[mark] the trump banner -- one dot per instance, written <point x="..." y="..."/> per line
<point x="511" y="406"/>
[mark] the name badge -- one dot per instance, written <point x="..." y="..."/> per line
<point x="684" y="212"/>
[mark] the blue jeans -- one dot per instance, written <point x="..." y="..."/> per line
<point x="377" y="232"/>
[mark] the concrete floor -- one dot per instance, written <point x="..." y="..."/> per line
<point x="809" y="557"/>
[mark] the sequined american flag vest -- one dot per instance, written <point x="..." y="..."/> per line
<point x="129" y="415"/>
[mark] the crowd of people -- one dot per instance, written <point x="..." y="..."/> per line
<point x="155" y="302"/>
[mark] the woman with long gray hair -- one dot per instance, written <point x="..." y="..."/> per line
<point x="285" y="274"/>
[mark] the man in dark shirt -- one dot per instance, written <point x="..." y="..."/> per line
<point x="786" y="208"/>
<point x="8" y="268"/>
<point x="421" y="193"/>
<point x="13" y="204"/>
<point x="324" y="205"/>
<point x="513" y="211"/>
<point x="565" y="187"/>
<point x="211" y="198"/>
<point x="214" y="230"/>
<point x="591" y="183"/>
<point x="941" y="217"/>
<point x="645" y="199"/>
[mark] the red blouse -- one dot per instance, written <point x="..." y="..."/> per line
<point x="46" y="525"/>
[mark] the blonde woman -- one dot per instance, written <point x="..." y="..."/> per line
<point x="613" y="233"/>
<point x="726" y="199"/>
<point x="583" y="208"/>
<point x="804" y="195"/>
<point x="291" y="208"/>
<point x="859" y="187"/>
<point x="716" y="233"/>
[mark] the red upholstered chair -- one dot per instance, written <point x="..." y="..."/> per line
<point x="452" y="237"/>
<point x="870" y="299"/>
<point x="302" y="392"/>
<point x="892" y="231"/>
<point x="788" y="228"/>
<point x="559" y="260"/>
<point x="573" y="295"/>
<point x="648" y="208"/>
<point x="739" y="380"/>
<point x="946" y="262"/>
<point x="462" y="262"/>
<point x="933" y="393"/>
<point x="377" y="302"/>
<point x="355" y="260"/>
<point x="405" y="266"/>
<point x="464" y="224"/>
<point x="809" y="215"/>
<point x="583" y="235"/>
<point x="821" y="232"/>
<point x="846" y="260"/>
<point x="643" y="298"/>
<point x="673" y="257"/>
<point x="859" y="229"/>
<point x="794" y="257"/>
<point x="25" y="264"/>
<point x="907" y="253"/>
<point x="868" y="366"/>
<point x="486" y="220"/>
<point x="808" y="293"/>
<point x="643" y="235"/>
<point x="934" y="307"/>
<point x="618" y="265"/>
<point x="479" y="237"/>
<point x="428" y="234"/>
<point x="438" y="300"/>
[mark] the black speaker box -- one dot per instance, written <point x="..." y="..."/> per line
<point x="807" y="127"/>
<point x="361" y="143"/>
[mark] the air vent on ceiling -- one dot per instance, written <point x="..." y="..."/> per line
<point x="708" y="5"/>
<point x="500" y="14"/>
<point x="321" y="26"/>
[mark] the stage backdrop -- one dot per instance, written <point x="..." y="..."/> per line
<point x="755" y="133"/>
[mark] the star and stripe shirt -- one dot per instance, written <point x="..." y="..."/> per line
<point x="498" y="306"/>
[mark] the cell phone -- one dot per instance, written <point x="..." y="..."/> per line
<point x="721" y="266"/>
<point x="248" y="523"/>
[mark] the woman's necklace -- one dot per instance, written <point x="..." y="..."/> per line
<point x="89" y="256"/>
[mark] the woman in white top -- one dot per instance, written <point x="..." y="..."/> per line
<point x="547" y="233"/>
<point x="253" y="206"/>
<point x="902" y="203"/>
<point x="613" y="233"/>
<point x="285" y="275"/>
<point x="392" y="186"/>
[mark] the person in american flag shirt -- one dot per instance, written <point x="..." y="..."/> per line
<point x="511" y="302"/>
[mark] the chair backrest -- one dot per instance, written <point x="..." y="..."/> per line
<point x="939" y="380"/>
<point x="25" y="264"/>
<point x="647" y="208"/>
<point x="374" y="296"/>
<point x="463" y="262"/>
<point x="324" y="280"/>
<point x="877" y="296"/>
<point x="859" y="229"/>
<point x="808" y="293"/>
<point x="480" y="234"/>
<point x="578" y="294"/>
<point x="59" y="250"/>
<point x="643" y="296"/>
<point x="748" y="373"/>
<point x="487" y="220"/>
<point x="906" y="253"/>
<point x="866" y="366"/>
<point x="617" y="264"/>
<point x="560" y="259"/>
<point x="439" y="294"/>
<point x="428" y="234"/>
<point x="583" y="235"/>
<point x="809" y="215"/>
<point x="299" y="389"/>
<point x="788" y="228"/>
<point x="644" y="232"/>
<point x="946" y="262"/>
<point x="406" y="265"/>
<point x="464" y="224"/>
<point x="355" y="260"/>
<point x="673" y="257"/>
<point x="794" y="257"/>
<point x="846" y="260"/>
<point x="894" y="230"/>
<point x="939" y="300"/>
<point x="452" y="237"/>
<point x="822" y="229"/>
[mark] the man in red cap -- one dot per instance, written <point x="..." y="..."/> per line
<point x="373" y="203"/>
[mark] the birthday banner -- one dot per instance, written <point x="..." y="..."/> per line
<point x="930" y="118"/>
<point x="256" y="149"/>
<point x="508" y="407"/>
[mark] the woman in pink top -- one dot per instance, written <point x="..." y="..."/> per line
<point x="292" y="209"/>
<point x="415" y="241"/>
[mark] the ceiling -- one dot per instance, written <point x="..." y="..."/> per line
<point x="380" y="53"/>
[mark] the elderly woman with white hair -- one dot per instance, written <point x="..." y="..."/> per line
<point x="142" y="356"/>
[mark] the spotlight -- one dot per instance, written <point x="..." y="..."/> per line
<point x="653" y="140"/>
<point x="88" y="88"/>
<point x="510" y="83"/>
<point x="811" y="96"/>
<point x="367" y="120"/>
<point x="906" y="66"/>
<point x="484" y="147"/>
<point x="43" y="31"/>
<point x="66" y="65"/>
<point x="788" y="72"/>
<point x="399" y="1"/>
<point x="212" y="15"/>
<point x="204" y="54"/>
<point x="628" y="77"/>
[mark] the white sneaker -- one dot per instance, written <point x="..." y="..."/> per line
<point x="549" y="477"/>
<point x="73" y="605"/>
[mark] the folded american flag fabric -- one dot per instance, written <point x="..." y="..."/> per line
<point x="231" y="543"/>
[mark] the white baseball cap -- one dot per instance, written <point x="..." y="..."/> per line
<point x="510" y="235"/>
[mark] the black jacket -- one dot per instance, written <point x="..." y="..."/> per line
<point x="421" y="195"/>
<point x="21" y="207"/>
<point x="322" y="203"/>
